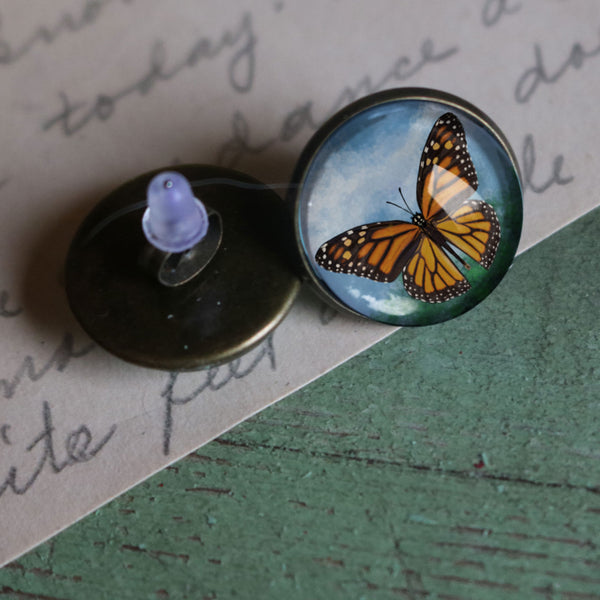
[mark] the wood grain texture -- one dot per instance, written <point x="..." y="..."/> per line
<point x="460" y="461"/>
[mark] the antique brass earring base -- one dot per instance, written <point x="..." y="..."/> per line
<point x="128" y="304"/>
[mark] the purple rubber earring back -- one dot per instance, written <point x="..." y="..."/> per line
<point x="175" y="220"/>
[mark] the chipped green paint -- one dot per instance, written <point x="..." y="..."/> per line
<point x="457" y="461"/>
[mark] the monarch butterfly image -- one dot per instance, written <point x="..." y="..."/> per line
<point x="425" y="250"/>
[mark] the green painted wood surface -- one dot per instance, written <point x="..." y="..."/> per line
<point x="452" y="462"/>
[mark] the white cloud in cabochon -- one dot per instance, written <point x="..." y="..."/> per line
<point x="353" y="292"/>
<point x="392" y="305"/>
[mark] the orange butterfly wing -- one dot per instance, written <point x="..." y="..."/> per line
<point x="474" y="229"/>
<point x="431" y="276"/>
<point x="447" y="177"/>
<point x="378" y="251"/>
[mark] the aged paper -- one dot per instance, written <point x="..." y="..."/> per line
<point x="94" y="92"/>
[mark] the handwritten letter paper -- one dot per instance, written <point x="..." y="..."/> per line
<point x="94" y="92"/>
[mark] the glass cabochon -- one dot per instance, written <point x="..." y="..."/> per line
<point x="358" y="168"/>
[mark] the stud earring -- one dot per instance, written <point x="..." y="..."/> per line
<point x="372" y="247"/>
<point x="182" y="270"/>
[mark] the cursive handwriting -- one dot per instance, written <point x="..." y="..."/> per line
<point x="59" y="360"/>
<point x="4" y="310"/>
<point x="494" y="10"/>
<point x="73" y="116"/>
<point x="539" y="73"/>
<point x="78" y="448"/>
<point x="529" y="164"/>
<point x="4" y="433"/>
<point x="43" y="36"/>
<point x="302" y="117"/>
<point x="213" y="379"/>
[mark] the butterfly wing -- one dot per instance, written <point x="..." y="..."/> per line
<point x="431" y="276"/>
<point x="447" y="176"/>
<point x="474" y="229"/>
<point x="446" y="182"/>
<point x="377" y="251"/>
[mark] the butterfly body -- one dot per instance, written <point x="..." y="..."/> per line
<point x="449" y="220"/>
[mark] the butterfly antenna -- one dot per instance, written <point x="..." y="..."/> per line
<point x="405" y="207"/>
<point x="398" y="206"/>
<point x="404" y="200"/>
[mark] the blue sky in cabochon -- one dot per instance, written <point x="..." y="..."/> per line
<point x="361" y="166"/>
